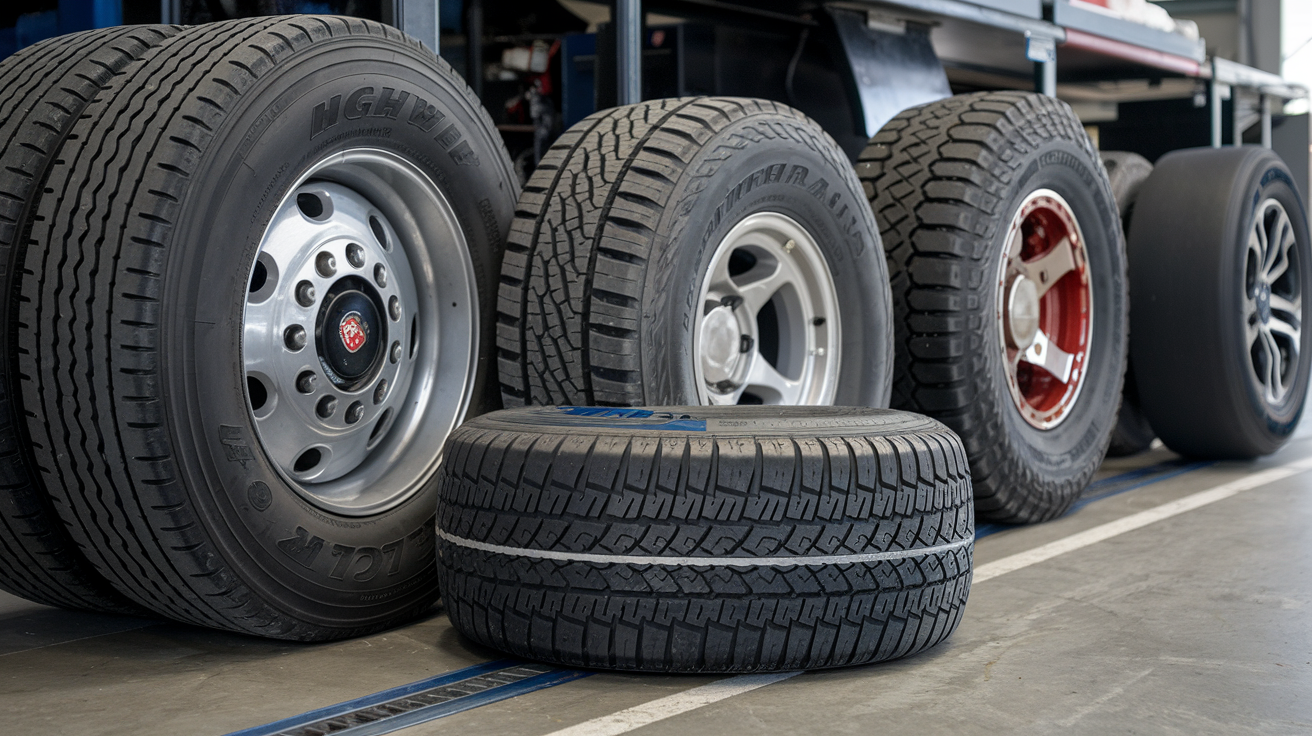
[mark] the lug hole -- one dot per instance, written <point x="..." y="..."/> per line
<point x="305" y="294"/>
<point x="294" y="338"/>
<point x="394" y="308"/>
<point x="354" y="412"/>
<point x="395" y="352"/>
<point x="258" y="393"/>
<point x="379" y="233"/>
<point x="264" y="279"/>
<point x="306" y="382"/>
<point x="259" y="275"/>
<point x="818" y="321"/>
<point x="380" y="276"/>
<point x="414" y="335"/>
<point x="326" y="406"/>
<point x="355" y="254"/>
<point x="326" y="264"/>
<point x="381" y="392"/>
<point x="314" y="206"/>
<point x="308" y="460"/>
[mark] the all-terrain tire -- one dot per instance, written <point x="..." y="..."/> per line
<point x="615" y="231"/>
<point x="944" y="180"/>
<point x="1133" y="434"/>
<point x="144" y="268"/>
<point x="1201" y="306"/>
<point x="716" y="539"/>
<point x="43" y="90"/>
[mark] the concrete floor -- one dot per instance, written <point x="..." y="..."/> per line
<point x="1196" y="624"/>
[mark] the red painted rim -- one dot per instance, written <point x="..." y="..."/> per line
<point x="1046" y="247"/>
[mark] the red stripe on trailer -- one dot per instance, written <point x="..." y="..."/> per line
<point x="1130" y="52"/>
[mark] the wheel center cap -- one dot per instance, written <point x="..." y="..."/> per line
<point x="1264" y="302"/>
<point x="1022" y="318"/>
<point x="720" y="345"/>
<point x="350" y="333"/>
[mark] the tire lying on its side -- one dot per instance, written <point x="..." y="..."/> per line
<point x="685" y="539"/>
<point x="1003" y="240"/>
<point x="694" y="251"/>
<point x="254" y="229"/>
<point x="1127" y="172"/>
<point x="1219" y="261"/>
<point x="43" y="90"/>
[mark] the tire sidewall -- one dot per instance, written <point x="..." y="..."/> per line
<point x="293" y="550"/>
<point x="787" y="177"/>
<point x="1078" y="443"/>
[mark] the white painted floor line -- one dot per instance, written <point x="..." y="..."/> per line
<point x="662" y="708"/>
<point x="672" y="705"/>
<point x="1136" y="521"/>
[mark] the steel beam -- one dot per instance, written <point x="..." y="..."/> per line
<point x="419" y="19"/>
<point x="628" y="51"/>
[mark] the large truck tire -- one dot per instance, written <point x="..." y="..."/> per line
<point x="694" y="251"/>
<point x="716" y="539"/>
<point x="1219" y="256"/>
<point x="1008" y="271"/>
<point x="262" y="297"/>
<point x="43" y="90"/>
<point x="1133" y="434"/>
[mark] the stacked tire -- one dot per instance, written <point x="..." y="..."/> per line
<point x="233" y="347"/>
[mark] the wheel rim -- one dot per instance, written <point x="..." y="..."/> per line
<point x="361" y="295"/>
<point x="768" y="329"/>
<point x="1273" y="301"/>
<point x="1045" y="309"/>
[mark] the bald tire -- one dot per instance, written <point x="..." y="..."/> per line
<point x="716" y="539"/>
<point x="43" y="90"/>
<point x="945" y="180"/>
<point x="1133" y="434"/>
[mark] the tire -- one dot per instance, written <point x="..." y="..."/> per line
<point x="949" y="183"/>
<point x="617" y="287"/>
<point x="1127" y="172"/>
<point x="1189" y="274"/>
<point x="160" y="354"/>
<point x="43" y="89"/>
<point x="709" y="539"/>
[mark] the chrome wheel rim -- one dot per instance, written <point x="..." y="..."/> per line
<point x="1044" y="309"/>
<point x="768" y="329"/>
<point x="361" y="296"/>
<point x="1273" y="302"/>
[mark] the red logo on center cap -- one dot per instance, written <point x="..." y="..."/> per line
<point x="352" y="330"/>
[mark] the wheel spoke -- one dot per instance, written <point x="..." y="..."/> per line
<point x="776" y="387"/>
<point x="756" y="289"/>
<point x="1284" y="237"/>
<point x="1046" y="355"/>
<point x="1047" y="269"/>
<point x="1275" y="388"/>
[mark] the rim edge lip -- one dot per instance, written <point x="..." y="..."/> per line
<point x="1018" y="401"/>
<point x="424" y="384"/>
<point x="729" y="243"/>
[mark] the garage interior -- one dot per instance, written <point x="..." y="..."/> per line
<point x="1171" y="593"/>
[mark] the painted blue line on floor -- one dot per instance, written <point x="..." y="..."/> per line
<point x="424" y="715"/>
<point x="1154" y="473"/>
<point x="376" y="698"/>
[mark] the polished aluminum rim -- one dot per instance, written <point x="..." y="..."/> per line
<point x="768" y="330"/>
<point x="1044" y="309"/>
<point x="1273" y="301"/>
<point x="361" y="297"/>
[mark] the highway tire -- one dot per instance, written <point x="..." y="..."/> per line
<point x="1000" y="230"/>
<point x="711" y="539"/>
<point x="1127" y="172"/>
<point x="225" y="453"/>
<point x="43" y="90"/>
<point x="694" y="251"/>
<point x="1219" y="258"/>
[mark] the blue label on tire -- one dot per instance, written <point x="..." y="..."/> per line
<point x="621" y="418"/>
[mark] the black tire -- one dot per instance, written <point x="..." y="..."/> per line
<point x="1195" y="370"/>
<point x="132" y="339"/>
<point x="43" y="90"/>
<point x="1127" y="172"/>
<point x="615" y="230"/>
<point x="554" y="523"/>
<point x="945" y="180"/>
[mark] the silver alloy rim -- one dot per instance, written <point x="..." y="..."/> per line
<point x="1273" y="301"/>
<point x="768" y="328"/>
<point x="366" y="236"/>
